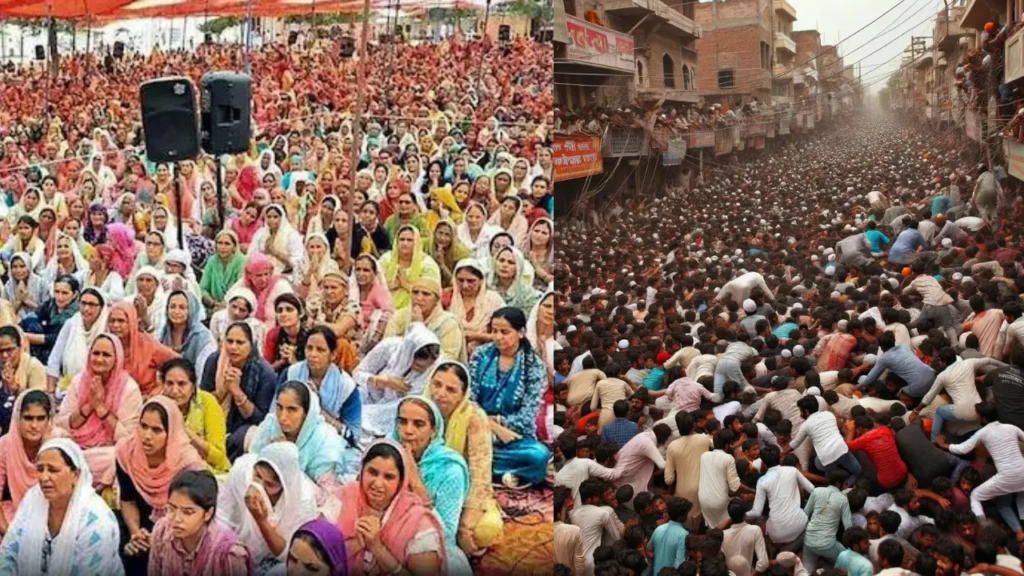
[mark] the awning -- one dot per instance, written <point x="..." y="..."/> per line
<point x="108" y="10"/>
<point x="64" y="9"/>
<point x="979" y="12"/>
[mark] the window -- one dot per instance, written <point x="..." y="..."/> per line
<point x="669" y="69"/>
<point x="641" y="76"/>
<point x="687" y="78"/>
<point x="725" y="79"/>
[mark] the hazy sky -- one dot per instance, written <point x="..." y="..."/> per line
<point x="837" y="19"/>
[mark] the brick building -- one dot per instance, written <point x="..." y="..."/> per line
<point x="735" y="51"/>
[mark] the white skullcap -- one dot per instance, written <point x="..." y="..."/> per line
<point x="786" y="353"/>
<point x="957" y="277"/>
<point x="947" y="242"/>
<point x="570" y="329"/>
<point x="842" y="324"/>
<point x="831" y="257"/>
<point x="739" y="252"/>
<point x="836" y="295"/>
<point x="623" y="344"/>
<point x="798" y="306"/>
<point x="798" y="351"/>
<point x="749" y="306"/>
<point x="812" y="391"/>
<point x="814" y="258"/>
<point x="830" y="271"/>
<point x="828" y="251"/>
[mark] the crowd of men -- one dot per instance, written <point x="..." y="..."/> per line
<point x="812" y="360"/>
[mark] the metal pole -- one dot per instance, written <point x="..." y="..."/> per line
<point x="357" y="125"/>
<point x="248" y="36"/>
<point x="177" y="207"/>
<point x="483" y="49"/>
<point x="220" y="191"/>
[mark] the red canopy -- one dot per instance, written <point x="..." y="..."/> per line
<point x="64" y="9"/>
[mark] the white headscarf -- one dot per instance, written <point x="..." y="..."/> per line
<point x="296" y="505"/>
<point x="84" y="505"/>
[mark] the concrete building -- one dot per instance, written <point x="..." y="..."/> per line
<point x="786" y="65"/>
<point x="736" y="51"/>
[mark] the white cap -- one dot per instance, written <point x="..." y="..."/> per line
<point x="749" y="306"/>
<point x="957" y="277"/>
<point x="812" y="391"/>
<point x="830" y="271"/>
<point x="570" y="329"/>
<point x="786" y="353"/>
<point x="623" y="344"/>
<point x="947" y="242"/>
<point x="798" y="351"/>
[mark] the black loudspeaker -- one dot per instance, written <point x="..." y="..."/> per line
<point x="207" y="38"/>
<point x="293" y="37"/>
<point x="504" y="33"/>
<point x="225" y="112"/>
<point x="169" y="119"/>
<point x="119" y="50"/>
<point x="40" y="52"/>
<point x="348" y="46"/>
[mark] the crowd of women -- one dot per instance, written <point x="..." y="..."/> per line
<point x="813" y="360"/>
<point x="286" y="390"/>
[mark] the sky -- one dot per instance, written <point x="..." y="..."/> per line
<point x="836" y="20"/>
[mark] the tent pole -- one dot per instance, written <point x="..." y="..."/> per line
<point x="357" y="125"/>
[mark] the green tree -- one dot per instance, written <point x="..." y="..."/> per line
<point x="217" y="26"/>
<point x="324" y="19"/>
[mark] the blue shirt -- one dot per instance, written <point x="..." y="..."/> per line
<point x="876" y="238"/>
<point x="669" y="545"/>
<point x="940" y="204"/>
<point x="906" y="244"/>
<point x="902" y="361"/>
<point x="783" y="330"/>
<point x="619" y="431"/>
<point x="854" y="564"/>
<point x="655" y="379"/>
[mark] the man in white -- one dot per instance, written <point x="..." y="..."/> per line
<point x="1003" y="444"/>
<point x="957" y="380"/>
<point x="741" y="287"/>
<point x="742" y="541"/>
<point x="594" y="520"/>
<point x="906" y="504"/>
<point x="578" y="469"/>
<point x="823" y="430"/>
<point x="637" y="460"/>
<point x="718" y="480"/>
<point x="780" y="489"/>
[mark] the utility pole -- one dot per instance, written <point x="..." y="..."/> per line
<point x="916" y="48"/>
<point x="357" y="130"/>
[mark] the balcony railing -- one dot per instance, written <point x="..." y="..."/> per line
<point x="660" y="9"/>
<point x="784" y="7"/>
<point x="784" y="42"/>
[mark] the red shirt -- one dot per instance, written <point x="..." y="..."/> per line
<point x="880" y="446"/>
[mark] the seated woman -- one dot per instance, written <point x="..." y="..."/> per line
<point x="222" y="270"/>
<point x="19" y="447"/>
<point x="101" y="274"/>
<point x="387" y="526"/>
<point x="508" y="378"/>
<point x="475" y="233"/>
<point x="188" y="540"/>
<point x="318" y="262"/>
<point x="143" y="352"/>
<point x="204" y="418"/>
<point x="468" y="432"/>
<point x="426" y="308"/>
<point x="243" y="384"/>
<point x="512" y="278"/>
<point x="80" y="533"/>
<point x="297" y="418"/>
<point x="407" y="214"/>
<point x="154" y="253"/>
<point x="69" y="354"/>
<point x="146" y="292"/>
<point x="341" y="403"/>
<point x="101" y="407"/>
<point x="369" y="289"/>
<point x="184" y="332"/>
<point x="25" y="239"/>
<point x="337" y="310"/>
<point x="510" y="219"/>
<point x="266" y="285"/>
<point x="265" y="499"/>
<point x="147" y="462"/>
<point x="51" y="319"/>
<point x="540" y="331"/>
<point x="472" y="302"/>
<point x="278" y="241"/>
<point x="67" y="259"/>
<point x="405" y="264"/>
<point x="25" y="290"/>
<point x="420" y="429"/>
<point x="281" y="348"/>
<point x="447" y="250"/>
<point x="396" y="367"/>
<point x="318" y="547"/>
<point x="539" y="249"/>
<point x="241" y="303"/>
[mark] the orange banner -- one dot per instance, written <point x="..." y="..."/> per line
<point x="577" y="156"/>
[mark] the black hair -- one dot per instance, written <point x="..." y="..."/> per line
<point x="165" y="419"/>
<point x="890" y="521"/>
<point x="854" y="535"/>
<point x="245" y="328"/>
<point x="892" y="552"/>
<point x="293" y="300"/>
<point x="458" y="370"/>
<point x="329" y="336"/>
<point x="737" y="510"/>
<point x="926" y="564"/>
<point x="950" y="549"/>
<point x="301" y="390"/>
<point x="679" y="509"/>
<point x="314" y="543"/>
<point x="36" y="398"/>
<point x="389" y="452"/>
<point x="988" y="411"/>
<point x="561" y="495"/>
<point x="770" y="456"/>
<point x="199" y="485"/>
<point x="71" y="282"/>
<point x="620" y="408"/>
<point x="432" y="351"/>
<point x="11" y="332"/>
<point x="180" y="363"/>
<point x="857" y="498"/>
